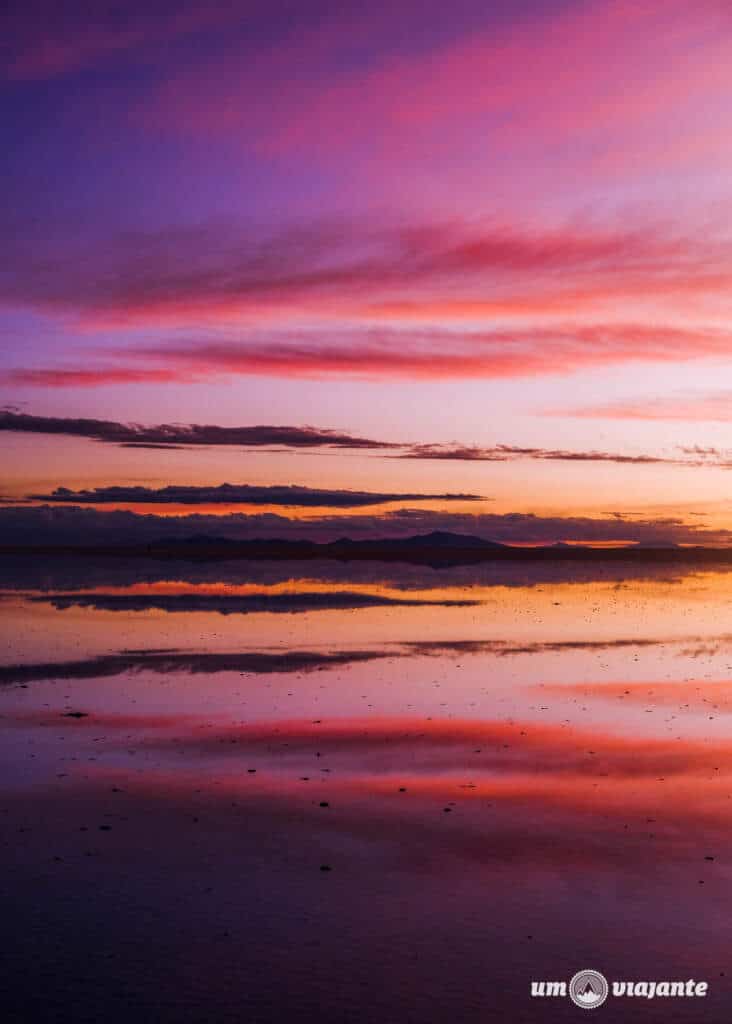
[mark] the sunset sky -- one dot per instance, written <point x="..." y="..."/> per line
<point x="479" y="252"/>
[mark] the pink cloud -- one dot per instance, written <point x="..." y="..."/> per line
<point x="89" y="378"/>
<point x="594" y="89"/>
<point x="373" y="277"/>
<point x="391" y="354"/>
<point x="620" y="78"/>
<point x="710" y="407"/>
<point x="433" y="268"/>
<point x="360" y="301"/>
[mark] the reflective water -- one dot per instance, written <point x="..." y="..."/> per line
<point x="264" y="792"/>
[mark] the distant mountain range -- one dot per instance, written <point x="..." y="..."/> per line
<point x="439" y="547"/>
<point x="435" y="539"/>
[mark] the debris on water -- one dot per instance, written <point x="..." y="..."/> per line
<point x="75" y="714"/>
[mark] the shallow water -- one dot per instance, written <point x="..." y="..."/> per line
<point x="509" y="775"/>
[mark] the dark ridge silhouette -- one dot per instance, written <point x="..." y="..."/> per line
<point x="445" y="539"/>
<point x="235" y="604"/>
<point x="433" y="549"/>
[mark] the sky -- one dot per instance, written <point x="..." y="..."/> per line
<point x="479" y="253"/>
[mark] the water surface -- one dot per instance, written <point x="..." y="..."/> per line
<point x="263" y="792"/>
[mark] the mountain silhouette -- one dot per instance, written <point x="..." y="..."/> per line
<point x="445" y="539"/>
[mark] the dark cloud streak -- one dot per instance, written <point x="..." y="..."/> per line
<point x="167" y="435"/>
<point x="233" y="494"/>
<point x="509" y="453"/>
<point x="181" y="436"/>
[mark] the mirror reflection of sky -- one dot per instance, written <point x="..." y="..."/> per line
<point x="220" y="771"/>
